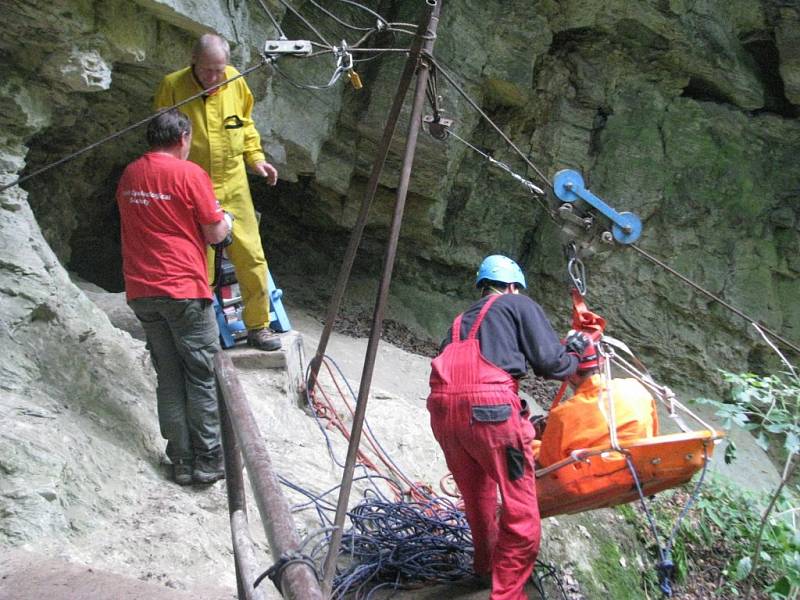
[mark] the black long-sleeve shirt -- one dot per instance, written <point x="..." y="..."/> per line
<point x="514" y="331"/>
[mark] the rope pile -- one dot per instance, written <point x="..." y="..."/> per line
<point x="403" y="545"/>
<point x="404" y="540"/>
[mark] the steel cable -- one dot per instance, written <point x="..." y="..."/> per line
<point x="715" y="298"/>
<point x="553" y="216"/>
<point x="273" y="19"/>
<point x="451" y="80"/>
<point x="305" y="21"/>
<point x="340" y="21"/>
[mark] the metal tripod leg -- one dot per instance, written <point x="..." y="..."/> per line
<point x="278" y="319"/>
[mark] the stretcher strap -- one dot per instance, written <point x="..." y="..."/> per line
<point x="593" y="325"/>
<point x="582" y="320"/>
<point x="585" y="320"/>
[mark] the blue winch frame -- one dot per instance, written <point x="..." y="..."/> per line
<point x="279" y="320"/>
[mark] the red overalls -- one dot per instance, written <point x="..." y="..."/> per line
<point x="476" y="416"/>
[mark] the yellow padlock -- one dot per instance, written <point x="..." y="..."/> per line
<point x="354" y="79"/>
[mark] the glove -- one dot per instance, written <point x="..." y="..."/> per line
<point x="228" y="218"/>
<point x="577" y="342"/>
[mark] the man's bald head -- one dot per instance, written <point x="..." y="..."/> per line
<point x="211" y="44"/>
<point x="209" y="58"/>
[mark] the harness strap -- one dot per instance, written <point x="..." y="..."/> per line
<point x="484" y="309"/>
<point x="455" y="335"/>
<point x="559" y="395"/>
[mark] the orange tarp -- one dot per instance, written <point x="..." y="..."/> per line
<point x="581" y="421"/>
<point x="598" y="477"/>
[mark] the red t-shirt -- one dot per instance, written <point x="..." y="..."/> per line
<point x="162" y="203"/>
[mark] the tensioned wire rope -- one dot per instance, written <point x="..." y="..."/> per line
<point x="328" y="48"/>
<point x="423" y="568"/>
<point x="394" y="544"/>
<point x="383" y="23"/>
<point x="665" y="565"/>
<point x="458" y="88"/>
<point x="452" y="81"/>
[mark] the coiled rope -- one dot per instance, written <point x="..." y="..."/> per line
<point x="408" y="539"/>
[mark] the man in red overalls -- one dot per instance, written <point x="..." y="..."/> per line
<point x="482" y="424"/>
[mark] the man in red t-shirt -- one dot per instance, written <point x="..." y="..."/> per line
<point x="169" y="214"/>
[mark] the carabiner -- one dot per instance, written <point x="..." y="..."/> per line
<point x="575" y="268"/>
<point x="577" y="273"/>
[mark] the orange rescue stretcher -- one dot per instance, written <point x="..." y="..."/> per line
<point x="600" y="477"/>
<point x="594" y="478"/>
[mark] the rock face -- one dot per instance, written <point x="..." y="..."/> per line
<point x="682" y="112"/>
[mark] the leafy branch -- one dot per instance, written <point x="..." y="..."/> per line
<point x="768" y="407"/>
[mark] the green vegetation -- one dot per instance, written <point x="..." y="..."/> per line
<point x="734" y="543"/>
<point x="769" y="407"/>
<point x="713" y="547"/>
<point x="608" y="567"/>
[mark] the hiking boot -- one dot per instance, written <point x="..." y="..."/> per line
<point x="182" y="472"/>
<point x="208" y="469"/>
<point x="478" y="582"/>
<point x="263" y="339"/>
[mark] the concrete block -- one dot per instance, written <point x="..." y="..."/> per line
<point x="290" y="358"/>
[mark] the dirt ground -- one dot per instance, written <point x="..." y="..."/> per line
<point x="29" y="576"/>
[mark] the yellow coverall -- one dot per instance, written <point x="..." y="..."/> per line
<point x="224" y="137"/>
<point x="580" y="422"/>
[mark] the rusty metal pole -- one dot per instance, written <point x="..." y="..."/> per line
<point x="234" y="484"/>
<point x="372" y="187"/>
<point x="298" y="580"/>
<point x="382" y="298"/>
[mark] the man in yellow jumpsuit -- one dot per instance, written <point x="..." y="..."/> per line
<point x="581" y="421"/>
<point x="224" y="141"/>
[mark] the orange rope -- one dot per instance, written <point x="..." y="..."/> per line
<point x="325" y="409"/>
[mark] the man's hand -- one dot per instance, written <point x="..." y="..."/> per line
<point x="228" y="240"/>
<point x="228" y="218"/>
<point x="267" y="171"/>
<point x="577" y="342"/>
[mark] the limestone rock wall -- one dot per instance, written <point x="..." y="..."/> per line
<point x="684" y="112"/>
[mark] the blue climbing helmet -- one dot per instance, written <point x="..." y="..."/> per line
<point x="500" y="268"/>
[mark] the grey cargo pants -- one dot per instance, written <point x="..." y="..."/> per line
<point x="182" y="337"/>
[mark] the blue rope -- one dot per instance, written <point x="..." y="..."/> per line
<point x="665" y="567"/>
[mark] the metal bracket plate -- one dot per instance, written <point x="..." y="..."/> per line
<point x="437" y="127"/>
<point x="288" y="47"/>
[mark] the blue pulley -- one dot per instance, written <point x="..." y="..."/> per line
<point x="569" y="187"/>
